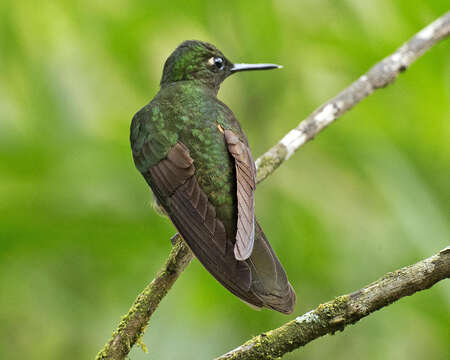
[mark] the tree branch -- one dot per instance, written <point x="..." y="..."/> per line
<point x="345" y="310"/>
<point x="382" y="74"/>
<point x="133" y="324"/>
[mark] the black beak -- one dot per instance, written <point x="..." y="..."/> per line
<point x="248" y="67"/>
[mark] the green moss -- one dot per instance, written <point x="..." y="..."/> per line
<point x="141" y="343"/>
<point x="267" y="164"/>
<point x="333" y="313"/>
<point x="333" y="308"/>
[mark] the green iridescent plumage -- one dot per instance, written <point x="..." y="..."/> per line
<point x="197" y="112"/>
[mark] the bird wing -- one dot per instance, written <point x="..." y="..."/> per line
<point x="174" y="179"/>
<point x="246" y="183"/>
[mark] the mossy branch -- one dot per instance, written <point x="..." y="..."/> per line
<point x="380" y="75"/>
<point x="133" y="324"/>
<point x="345" y="310"/>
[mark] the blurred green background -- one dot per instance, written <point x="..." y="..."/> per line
<point x="78" y="236"/>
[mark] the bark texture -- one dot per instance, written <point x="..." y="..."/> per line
<point x="380" y="75"/>
<point x="345" y="310"/>
<point x="133" y="324"/>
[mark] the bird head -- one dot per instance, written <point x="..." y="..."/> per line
<point x="202" y="62"/>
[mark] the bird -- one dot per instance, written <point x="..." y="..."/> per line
<point x="194" y="155"/>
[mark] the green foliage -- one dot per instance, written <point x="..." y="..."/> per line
<point x="78" y="237"/>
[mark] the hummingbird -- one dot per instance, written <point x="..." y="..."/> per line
<point x="192" y="152"/>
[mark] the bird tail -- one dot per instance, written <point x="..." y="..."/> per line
<point x="269" y="280"/>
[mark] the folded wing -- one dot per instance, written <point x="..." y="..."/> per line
<point x="246" y="183"/>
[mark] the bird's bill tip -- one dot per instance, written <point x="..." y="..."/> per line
<point x="249" y="67"/>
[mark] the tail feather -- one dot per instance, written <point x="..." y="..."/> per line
<point x="269" y="280"/>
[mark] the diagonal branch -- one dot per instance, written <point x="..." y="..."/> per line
<point x="345" y="310"/>
<point x="381" y="74"/>
<point x="133" y="324"/>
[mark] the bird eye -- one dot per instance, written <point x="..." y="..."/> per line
<point x="217" y="62"/>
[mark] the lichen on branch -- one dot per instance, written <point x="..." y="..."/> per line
<point x="335" y="315"/>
